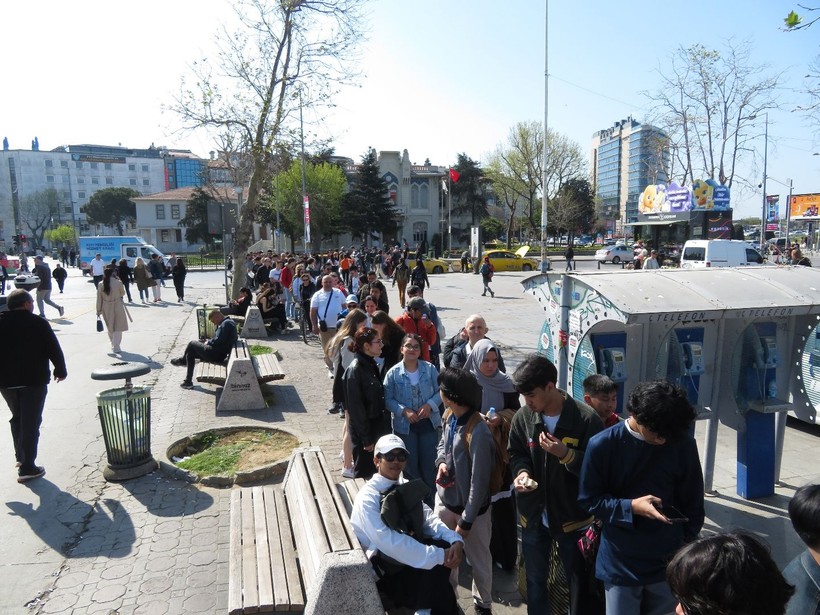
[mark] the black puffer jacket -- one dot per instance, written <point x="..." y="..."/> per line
<point x="364" y="395"/>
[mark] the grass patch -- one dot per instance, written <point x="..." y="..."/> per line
<point x="216" y="454"/>
<point x="258" y="349"/>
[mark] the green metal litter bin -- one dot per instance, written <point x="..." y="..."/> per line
<point x="125" y="418"/>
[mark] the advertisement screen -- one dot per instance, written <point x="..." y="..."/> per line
<point x="805" y="207"/>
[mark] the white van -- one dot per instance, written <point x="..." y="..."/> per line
<point x="698" y="253"/>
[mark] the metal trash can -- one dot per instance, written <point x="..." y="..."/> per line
<point x="205" y="328"/>
<point x="125" y="418"/>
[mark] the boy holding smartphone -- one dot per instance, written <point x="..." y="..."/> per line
<point x="630" y="472"/>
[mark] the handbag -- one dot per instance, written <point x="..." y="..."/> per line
<point x="99" y="325"/>
<point x="589" y="542"/>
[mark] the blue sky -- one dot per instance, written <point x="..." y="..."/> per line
<point x="441" y="77"/>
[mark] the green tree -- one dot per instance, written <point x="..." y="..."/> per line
<point x="470" y="191"/>
<point x="492" y="228"/>
<point x="326" y="185"/>
<point x="37" y="212"/>
<point x="368" y="209"/>
<point x="64" y="234"/>
<point x="285" y="54"/>
<point x="573" y="209"/>
<point x="195" y="221"/>
<point x="112" y="207"/>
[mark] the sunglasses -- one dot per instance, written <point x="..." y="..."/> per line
<point x="394" y="456"/>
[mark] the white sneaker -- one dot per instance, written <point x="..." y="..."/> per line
<point x="348" y="473"/>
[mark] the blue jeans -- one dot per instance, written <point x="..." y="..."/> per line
<point x="289" y="304"/>
<point x="421" y="444"/>
<point x="536" y="545"/>
<point x="654" y="599"/>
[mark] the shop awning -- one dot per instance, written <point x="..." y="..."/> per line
<point x="657" y="223"/>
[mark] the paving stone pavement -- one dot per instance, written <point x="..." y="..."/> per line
<point x="159" y="545"/>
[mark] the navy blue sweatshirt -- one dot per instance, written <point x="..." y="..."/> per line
<point x="617" y="468"/>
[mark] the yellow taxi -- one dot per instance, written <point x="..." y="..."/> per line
<point x="432" y="265"/>
<point x="507" y="260"/>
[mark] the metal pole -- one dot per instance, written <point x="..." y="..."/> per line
<point x="789" y="212"/>
<point x="449" y="213"/>
<point x="765" y="163"/>
<point x="544" y="261"/>
<point x="304" y="183"/>
<point x="278" y="241"/>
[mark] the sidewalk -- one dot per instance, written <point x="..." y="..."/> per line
<point x="158" y="545"/>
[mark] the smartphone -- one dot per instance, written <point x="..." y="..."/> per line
<point x="446" y="481"/>
<point x="672" y="513"/>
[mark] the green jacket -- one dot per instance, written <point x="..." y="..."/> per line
<point x="557" y="479"/>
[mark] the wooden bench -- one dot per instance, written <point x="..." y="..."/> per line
<point x="266" y="366"/>
<point x="304" y="526"/>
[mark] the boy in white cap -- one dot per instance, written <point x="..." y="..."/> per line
<point x="413" y="570"/>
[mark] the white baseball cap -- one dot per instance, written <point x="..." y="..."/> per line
<point x="389" y="443"/>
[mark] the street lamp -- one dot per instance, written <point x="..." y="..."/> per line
<point x="765" y="163"/>
<point x="544" y="260"/>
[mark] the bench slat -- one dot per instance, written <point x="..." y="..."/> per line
<point x="263" y="551"/>
<point x="250" y="592"/>
<point x="311" y="545"/>
<point x="329" y="508"/>
<point x="294" y="594"/>
<point x="349" y="489"/>
<point x="235" y="561"/>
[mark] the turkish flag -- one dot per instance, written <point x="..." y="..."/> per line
<point x="454" y="175"/>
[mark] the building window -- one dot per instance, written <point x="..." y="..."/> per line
<point x="132" y="167"/>
<point x="164" y="235"/>
<point x="107" y="166"/>
<point x="146" y="182"/>
<point x="66" y="194"/>
<point x="49" y="163"/>
<point x="419" y="231"/>
<point x="174" y="212"/>
<point x="178" y="233"/>
<point x="81" y="194"/>
<point x="95" y="180"/>
<point x="145" y="168"/>
<point x="160" y="212"/>
<point x="65" y="179"/>
<point x="133" y="181"/>
<point x="50" y="179"/>
<point x="67" y="209"/>
<point x="109" y="181"/>
<point x="64" y="164"/>
<point x="81" y="180"/>
<point x="93" y="165"/>
<point x="78" y="165"/>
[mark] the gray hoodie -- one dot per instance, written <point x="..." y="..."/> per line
<point x="470" y="495"/>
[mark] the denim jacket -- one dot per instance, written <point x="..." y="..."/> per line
<point x="400" y="394"/>
<point x="804" y="573"/>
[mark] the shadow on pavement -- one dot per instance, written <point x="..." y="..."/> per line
<point x="166" y="497"/>
<point x="76" y="528"/>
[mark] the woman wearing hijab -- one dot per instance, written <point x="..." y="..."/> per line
<point x="498" y="393"/>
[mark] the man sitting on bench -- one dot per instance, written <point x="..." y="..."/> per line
<point x="214" y="350"/>
<point x="413" y="570"/>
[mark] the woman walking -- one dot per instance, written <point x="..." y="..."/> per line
<point x="364" y="395"/>
<point x="411" y="394"/>
<point x="126" y="277"/>
<point x="143" y="279"/>
<point x="111" y="307"/>
<point x="178" y="275"/>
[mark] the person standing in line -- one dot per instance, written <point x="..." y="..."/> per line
<point x="286" y="279"/>
<point x="155" y="268"/>
<point x="42" y="271"/>
<point x="487" y="271"/>
<point x="126" y="276"/>
<point x="325" y="306"/>
<point x="97" y="269"/>
<point x="804" y="570"/>
<point x="367" y="413"/>
<point x="24" y="382"/>
<point x="415" y="321"/>
<point x="59" y="274"/>
<point x="178" y="274"/>
<point x="465" y="455"/>
<point x="111" y="307"/>
<point x="142" y="278"/>
<point x="633" y="475"/>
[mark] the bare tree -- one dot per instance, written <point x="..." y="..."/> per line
<point x="286" y="53"/>
<point x="711" y="104"/>
<point x="37" y="211"/>
<point x="516" y="168"/>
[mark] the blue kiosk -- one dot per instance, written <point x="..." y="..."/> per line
<point x="742" y="341"/>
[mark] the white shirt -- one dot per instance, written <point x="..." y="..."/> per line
<point x="320" y="300"/>
<point x="97" y="266"/>
<point x="374" y="535"/>
<point x="275" y="274"/>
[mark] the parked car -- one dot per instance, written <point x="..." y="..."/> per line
<point x="506" y="260"/>
<point x="433" y="265"/>
<point x="700" y="253"/>
<point x="614" y="254"/>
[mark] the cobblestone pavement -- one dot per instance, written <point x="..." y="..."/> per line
<point x="76" y="544"/>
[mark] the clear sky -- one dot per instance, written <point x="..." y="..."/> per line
<point x="441" y="77"/>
